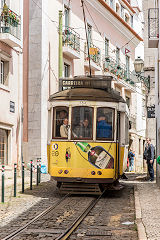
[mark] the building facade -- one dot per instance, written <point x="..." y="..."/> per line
<point x="11" y="83"/>
<point x="153" y="42"/>
<point x="113" y="35"/>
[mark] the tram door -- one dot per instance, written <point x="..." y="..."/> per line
<point x="118" y="146"/>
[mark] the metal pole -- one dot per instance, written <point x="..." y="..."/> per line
<point x="15" y="178"/>
<point x="37" y="171"/>
<point x="31" y="175"/>
<point x="60" y="46"/>
<point x="22" y="177"/>
<point x="89" y="59"/>
<point x="2" y="183"/>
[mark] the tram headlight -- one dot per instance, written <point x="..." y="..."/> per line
<point x="99" y="173"/>
<point x="60" y="171"/>
<point x="93" y="173"/>
<point x="66" y="171"/>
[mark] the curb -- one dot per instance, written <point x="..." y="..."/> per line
<point x="140" y="227"/>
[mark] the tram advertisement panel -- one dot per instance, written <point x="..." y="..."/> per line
<point x="82" y="155"/>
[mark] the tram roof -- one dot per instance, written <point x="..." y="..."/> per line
<point x="91" y="94"/>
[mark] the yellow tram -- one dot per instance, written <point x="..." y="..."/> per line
<point x="89" y="122"/>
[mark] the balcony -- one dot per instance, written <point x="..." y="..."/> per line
<point x="118" y="70"/>
<point x="153" y="27"/>
<point x="71" y="43"/>
<point x="10" y="27"/>
<point x="95" y="57"/>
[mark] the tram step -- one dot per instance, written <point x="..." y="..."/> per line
<point x="80" y="188"/>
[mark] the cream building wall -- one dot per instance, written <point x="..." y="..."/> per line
<point x="11" y="91"/>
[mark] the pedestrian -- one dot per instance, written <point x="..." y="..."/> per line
<point x="131" y="156"/>
<point x="149" y="157"/>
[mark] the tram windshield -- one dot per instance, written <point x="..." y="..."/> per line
<point x="105" y="121"/>
<point x="60" y="122"/>
<point x="82" y="123"/>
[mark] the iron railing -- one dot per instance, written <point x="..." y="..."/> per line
<point x="118" y="69"/>
<point x="96" y="58"/>
<point x="153" y="23"/>
<point x="71" y="39"/>
<point x="10" y="22"/>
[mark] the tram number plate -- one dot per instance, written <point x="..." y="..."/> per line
<point x="83" y="102"/>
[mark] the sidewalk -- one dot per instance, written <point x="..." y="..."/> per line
<point x="147" y="205"/>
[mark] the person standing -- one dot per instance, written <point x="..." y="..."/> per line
<point x="131" y="156"/>
<point x="149" y="156"/>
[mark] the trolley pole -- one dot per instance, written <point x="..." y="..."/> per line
<point x="2" y="184"/>
<point x="60" y="45"/>
<point x="22" y="177"/>
<point x="31" y="175"/>
<point x="15" y="178"/>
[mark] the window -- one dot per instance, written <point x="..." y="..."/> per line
<point x="89" y="29"/>
<point x="3" y="146"/>
<point x="132" y="21"/>
<point x="66" y="16"/>
<point x="105" y="123"/>
<point x="60" y="122"/>
<point x="66" y="70"/>
<point x="127" y="67"/>
<point x="126" y="18"/>
<point x="117" y="56"/>
<point x="117" y="8"/>
<point x="4" y="72"/>
<point x="106" y="47"/>
<point x="122" y="11"/>
<point x="126" y="130"/>
<point x="128" y="101"/>
<point x="143" y="108"/>
<point x="82" y="123"/>
<point x="111" y="3"/>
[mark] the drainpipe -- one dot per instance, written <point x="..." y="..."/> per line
<point x="60" y="46"/>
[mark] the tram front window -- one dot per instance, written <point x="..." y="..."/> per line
<point x="82" y="123"/>
<point x="60" y="117"/>
<point x="105" y="120"/>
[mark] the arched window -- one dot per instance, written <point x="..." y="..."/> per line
<point x="126" y="18"/>
<point x="117" y="8"/>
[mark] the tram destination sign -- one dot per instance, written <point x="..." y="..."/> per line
<point x="151" y="112"/>
<point x="86" y="82"/>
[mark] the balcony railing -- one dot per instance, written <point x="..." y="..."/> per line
<point x="153" y="27"/>
<point x="118" y="69"/>
<point x="95" y="57"/>
<point x="71" y="39"/>
<point x="10" y="23"/>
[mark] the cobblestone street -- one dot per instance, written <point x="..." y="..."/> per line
<point x="112" y="217"/>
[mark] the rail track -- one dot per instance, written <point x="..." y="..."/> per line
<point x="39" y="224"/>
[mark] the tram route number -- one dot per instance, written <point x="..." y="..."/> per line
<point x="55" y="153"/>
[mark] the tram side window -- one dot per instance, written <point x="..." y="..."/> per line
<point x="82" y="123"/>
<point x="60" y="122"/>
<point x="105" y="123"/>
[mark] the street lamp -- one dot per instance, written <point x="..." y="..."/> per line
<point x="138" y="66"/>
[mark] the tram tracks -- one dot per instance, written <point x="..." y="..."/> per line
<point x="51" y="226"/>
<point x="18" y="231"/>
